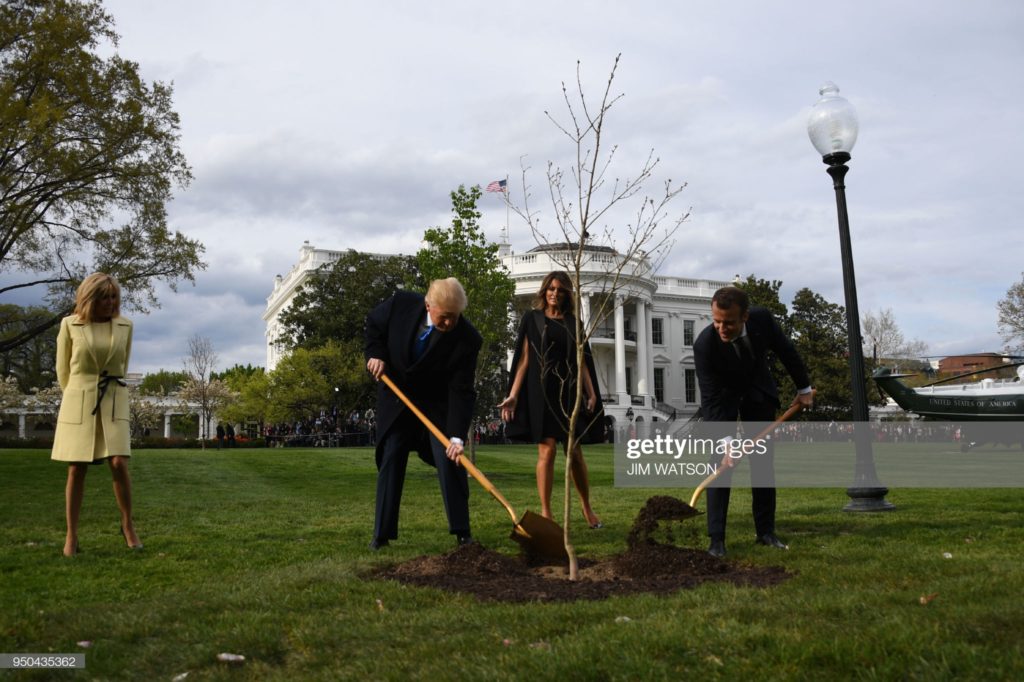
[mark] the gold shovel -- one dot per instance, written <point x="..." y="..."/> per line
<point x="693" y="511"/>
<point x="536" y="534"/>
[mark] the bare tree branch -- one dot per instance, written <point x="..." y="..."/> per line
<point x="600" y="258"/>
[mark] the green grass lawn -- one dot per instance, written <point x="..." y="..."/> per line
<point x="259" y="553"/>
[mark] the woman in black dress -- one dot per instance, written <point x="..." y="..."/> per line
<point x="543" y="390"/>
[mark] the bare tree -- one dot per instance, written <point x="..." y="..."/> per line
<point x="1011" y="317"/>
<point x="883" y="339"/>
<point x="601" y="256"/>
<point x="200" y="390"/>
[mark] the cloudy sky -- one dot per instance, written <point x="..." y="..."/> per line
<point x="348" y="123"/>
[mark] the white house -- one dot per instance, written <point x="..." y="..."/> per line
<point x="643" y="348"/>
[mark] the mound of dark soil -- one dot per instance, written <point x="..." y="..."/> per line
<point x="646" y="566"/>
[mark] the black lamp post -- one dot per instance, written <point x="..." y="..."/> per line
<point x="832" y="128"/>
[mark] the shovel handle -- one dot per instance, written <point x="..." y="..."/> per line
<point x="793" y="409"/>
<point x="463" y="460"/>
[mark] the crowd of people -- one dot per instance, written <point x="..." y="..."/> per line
<point x="328" y="429"/>
<point x="357" y="429"/>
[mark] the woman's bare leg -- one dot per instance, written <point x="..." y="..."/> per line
<point x="123" y="494"/>
<point x="546" y="451"/>
<point x="74" y="491"/>
<point x="580" y="477"/>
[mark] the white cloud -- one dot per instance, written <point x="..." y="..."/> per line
<point x="348" y="124"/>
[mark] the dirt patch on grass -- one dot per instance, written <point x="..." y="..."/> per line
<point x="647" y="565"/>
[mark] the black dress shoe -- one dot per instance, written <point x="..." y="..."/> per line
<point x="771" y="540"/>
<point x="466" y="539"/>
<point x="378" y="543"/>
<point x="717" y="548"/>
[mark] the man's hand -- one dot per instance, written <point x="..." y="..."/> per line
<point x="454" y="449"/>
<point x="806" y="400"/>
<point x="376" y="367"/>
<point x="591" y="403"/>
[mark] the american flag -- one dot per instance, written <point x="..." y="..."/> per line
<point x="497" y="186"/>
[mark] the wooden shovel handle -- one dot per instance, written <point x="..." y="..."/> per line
<point x="793" y="409"/>
<point x="463" y="460"/>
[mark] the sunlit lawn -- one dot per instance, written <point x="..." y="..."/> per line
<point x="259" y="553"/>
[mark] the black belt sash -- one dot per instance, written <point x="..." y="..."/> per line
<point x="104" y="381"/>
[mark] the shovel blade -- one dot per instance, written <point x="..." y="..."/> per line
<point x="687" y="513"/>
<point x="540" y="536"/>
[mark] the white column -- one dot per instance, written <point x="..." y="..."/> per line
<point x="620" y="353"/>
<point x="642" y="387"/>
<point x="585" y="309"/>
<point x="22" y="432"/>
<point x="650" y="361"/>
<point x="167" y="424"/>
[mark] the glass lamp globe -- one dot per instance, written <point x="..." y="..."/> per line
<point x="832" y="125"/>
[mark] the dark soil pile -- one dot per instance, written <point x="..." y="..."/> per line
<point x="657" y="509"/>
<point x="646" y="566"/>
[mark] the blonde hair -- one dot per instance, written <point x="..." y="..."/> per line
<point x="91" y="290"/>
<point x="447" y="294"/>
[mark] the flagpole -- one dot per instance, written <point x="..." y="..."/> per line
<point x="508" y="236"/>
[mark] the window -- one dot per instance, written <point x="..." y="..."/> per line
<point x="690" y="376"/>
<point x="659" y="384"/>
<point x="629" y="380"/>
<point x="687" y="332"/>
<point x="658" y="331"/>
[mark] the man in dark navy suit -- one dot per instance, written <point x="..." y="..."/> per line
<point x="731" y="358"/>
<point x="430" y="351"/>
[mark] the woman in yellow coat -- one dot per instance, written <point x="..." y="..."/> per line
<point x="92" y="358"/>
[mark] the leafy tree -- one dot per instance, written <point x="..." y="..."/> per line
<point x="1011" y="317"/>
<point x="304" y="382"/>
<point x="32" y="361"/>
<point x="252" y="389"/>
<point x="462" y="251"/>
<point x="85" y="144"/>
<point x="162" y="382"/>
<point x="237" y="374"/>
<point x="819" y="329"/>
<point x="819" y="332"/>
<point x="332" y="306"/>
<point x="765" y="293"/>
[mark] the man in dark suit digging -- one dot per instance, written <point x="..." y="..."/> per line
<point x="731" y="358"/>
<point x="430" y="351"/>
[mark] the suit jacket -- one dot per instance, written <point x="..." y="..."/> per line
<point x="440" y="383"/>
<point x="79" y="366"/>
<point x="724" y="381"/>
<point x="528" y="422"/>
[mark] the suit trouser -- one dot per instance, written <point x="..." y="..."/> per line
<point x="762" y="470"/>
<point x="404" y="436"/>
